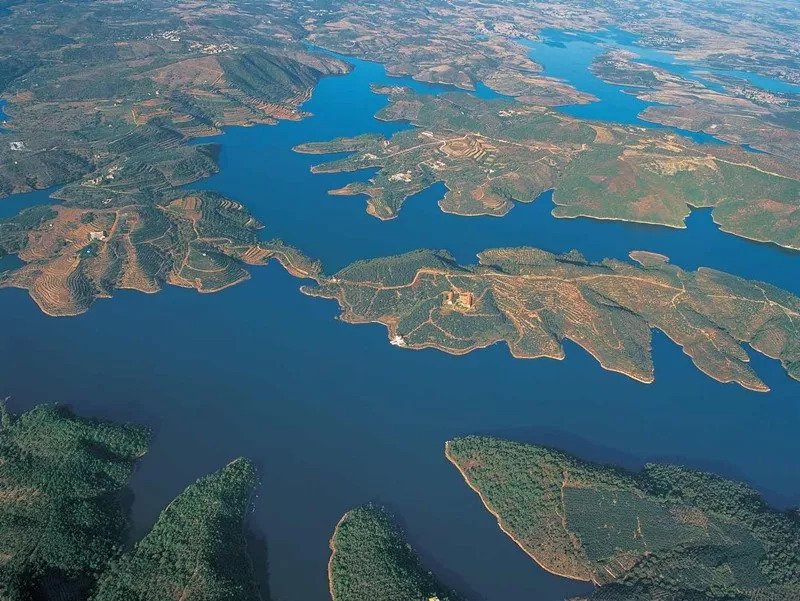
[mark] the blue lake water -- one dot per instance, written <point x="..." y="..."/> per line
<point x="258" y="168"/>
<point x="568" y="55"/>
<point x="12" y="205"/>
<point x="336" y="417"/>
<point x="618" y="39"/>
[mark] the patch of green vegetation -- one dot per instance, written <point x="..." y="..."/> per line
<point x="666" y="532"/>
<point x="371" y="560"/>
<point x="619" y="67"/>
<point x="61" y="480"/>
<point x="196" y="549"/>
<point x="14" y="230"/>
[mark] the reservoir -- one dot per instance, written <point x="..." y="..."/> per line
<point x="336" y="417"/>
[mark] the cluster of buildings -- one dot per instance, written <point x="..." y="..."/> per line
<point x="213" y="48"/>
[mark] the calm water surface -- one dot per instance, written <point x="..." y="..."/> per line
<point x="336" y="417"/>
<point x="567" y="55"/>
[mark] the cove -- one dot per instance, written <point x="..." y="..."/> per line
<point x="567" y="55"/>
<point x="336" y="417"/>
<point x="11" y="205"/>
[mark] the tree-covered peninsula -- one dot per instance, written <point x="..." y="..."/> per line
<point x="666" y="532"/>
<point x="196" y="551"/>
<point x="63" y="518"/>
<point x="370" y="559"/>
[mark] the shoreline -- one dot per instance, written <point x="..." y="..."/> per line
<point x="332" y="547"/>
<point x="500" y="524"/>
<point x="476" y="347"/>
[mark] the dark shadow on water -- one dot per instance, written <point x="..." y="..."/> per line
<point x="258" y="551"/>
<point x="568" y="442"/>
<point x="127" y="498"/>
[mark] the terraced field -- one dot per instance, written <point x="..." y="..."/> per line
<point x="532" y="300"/>
<point x="195" y="240"/>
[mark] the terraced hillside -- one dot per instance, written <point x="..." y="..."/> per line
<point x="532" y="300"/>
<point x="491" y="154"/>
<point x="61" y="483"/>
<point x="370" y="559"/>
<point x="196" y="550"/>
<point x="106" y="105"/>
<point x="75" y="254"/>
<point x="735" y="110"/>
<point x="665" y="532"/>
